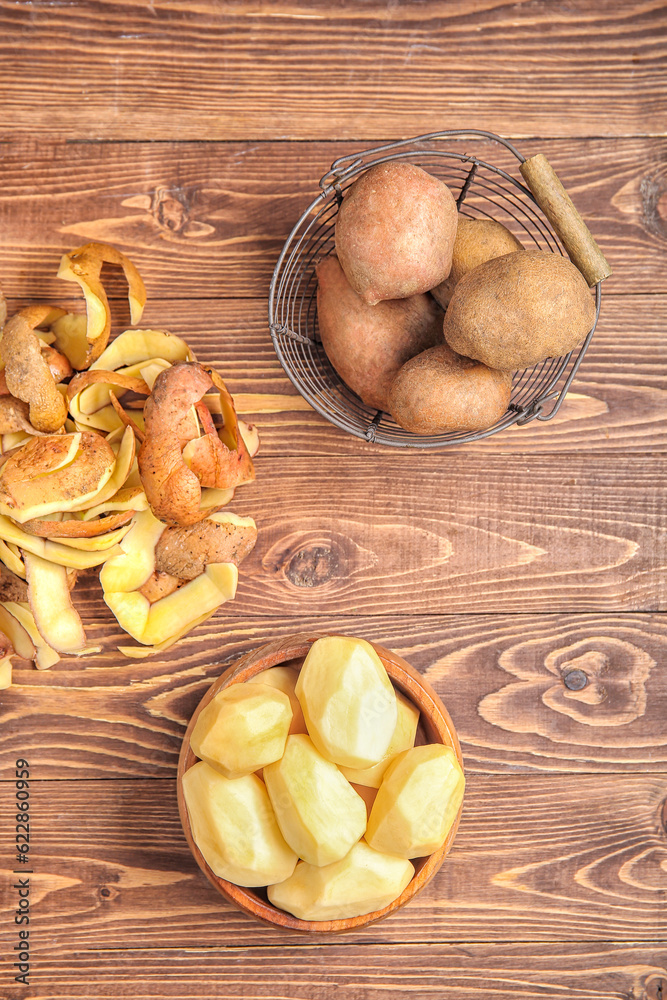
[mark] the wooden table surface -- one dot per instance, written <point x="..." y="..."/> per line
<point x="192" y="135"/>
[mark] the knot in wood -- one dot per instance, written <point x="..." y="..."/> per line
<point x="654" y="203"/>
<point x="655" y="987"/>
<point x="312" y="566"/>
<point x="170" y="210"/>
<point x="575" y="680"/>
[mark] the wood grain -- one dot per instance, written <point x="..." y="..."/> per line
<point x="423" y="534"/>
<point x="208" y="220"/>
<point x="536" y="858"/>
<point x="362" y="972"/>
<point x="312" y="70"/>
<point x="502" y="678"/>
<point x="618" y="402"/>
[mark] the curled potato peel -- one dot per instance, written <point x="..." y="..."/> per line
<point x="55" y="473"/>
<point x="168" y="617"/>
<point x="167" y="455"/>
<point x="27" y="373"/>
<point x="72" y="496"/>
<point x="81" y="342"/>
<point x="55" y="616"/>
<point x="76" y="528"/>
<point x="141" y="346"/>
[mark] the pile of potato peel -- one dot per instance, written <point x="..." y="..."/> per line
<point x="119" y="455"/>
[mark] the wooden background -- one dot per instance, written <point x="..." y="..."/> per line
<point x="192" y="135"/>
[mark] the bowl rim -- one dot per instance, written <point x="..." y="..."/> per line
<point x="434" y="718"/>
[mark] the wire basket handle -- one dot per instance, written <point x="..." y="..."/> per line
<point x="557" y="205"/>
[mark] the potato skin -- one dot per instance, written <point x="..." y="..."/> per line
<point x="477" y="240"/>
<point x="440" y="391"/>
<point x="368" y="344"/>
<point x="395" y="231"/>
<point x="514" y="311"/>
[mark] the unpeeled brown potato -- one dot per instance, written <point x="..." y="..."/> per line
<point x="395" y="231"/>
<point x="440" y="391"/>
<point x="516" y="310"/>
<point x="477" y="240"/>
<point x="368" y="344"/>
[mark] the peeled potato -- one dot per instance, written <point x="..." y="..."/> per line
<point x="440" y="391"/>
<point x="417" y="802"/>
<point x="233" y="826"/>
<point x="318" y="812"/>
<point x="284" y="679"/>
<point x="477" y="240"/>
<point x="402" y="739"/>
<point x="395" y="231"/>
<point x="243" y="728"/>
<point x="514" y="311"/>
<point x="348" y="701"/>
<point x="368" y="344"/>
<point x="363" y="881"/>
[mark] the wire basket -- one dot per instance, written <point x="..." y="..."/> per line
<point x="481" y="190"/>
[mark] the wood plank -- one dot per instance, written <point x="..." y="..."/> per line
<point x="303" y="70"/>
<point x="537" y="858"/>
<point x="208" y="220"/>
<point x="500" y="676"/>
<point x="299" y="971"/>
<point x="618" y="402"/>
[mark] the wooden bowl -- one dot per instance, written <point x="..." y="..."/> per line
<point x="435" y="726"/>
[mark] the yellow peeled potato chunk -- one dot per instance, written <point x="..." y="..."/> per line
<point x="284" y="679"/>
<point x="319" y="813"/>
<point x="233" y="826"/>
<point x="403" y="739"/>
<point x="348" y="701"/>
<point x="417" y="802"/>
<point x="243" y="728"/>
<point x="361" y="882"/>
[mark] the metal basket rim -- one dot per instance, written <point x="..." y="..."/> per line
<point x="349" y="166"/>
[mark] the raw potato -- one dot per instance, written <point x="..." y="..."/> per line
<point x="514" y="311"/>
<point x="417" y="802"/>
<point x="402" y="739"/>
<point x="284" y="679"/>
<point x="233" y="826"/>
<point x="348" y="701"/>
<point x="242" y="729"/>
<point x="368" y="344"/>
<point x="440" y="391"/>
<point x="395" y="231"/>
<point x="318" y="812"/>
<point x="361" y="882"/>
<point x="477" y="240"/>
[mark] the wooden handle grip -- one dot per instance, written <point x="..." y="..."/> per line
<point x="571" y="229"/>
